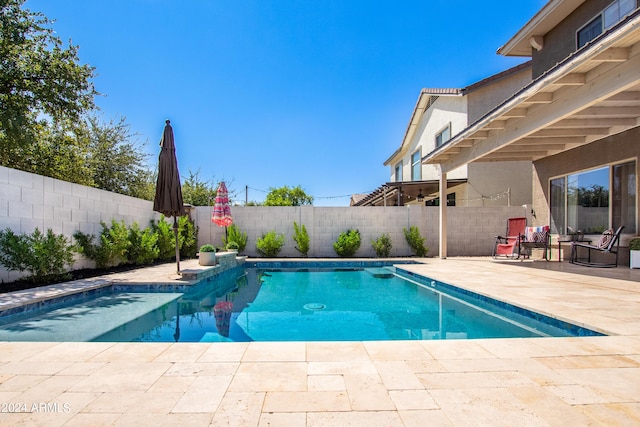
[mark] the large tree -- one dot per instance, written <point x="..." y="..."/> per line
<point x="197" y="192"/>
<point x="40" y="79"/>
<point x="117" y="160"/>
<point x="285" y="196"/>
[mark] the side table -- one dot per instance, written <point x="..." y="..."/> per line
<point x="567" y="239"/>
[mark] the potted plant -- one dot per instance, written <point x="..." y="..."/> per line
<point x="232" y="246"/>
<point x="207" y="255"/>
<point x="634" y="252"/>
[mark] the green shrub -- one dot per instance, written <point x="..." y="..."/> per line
<point x="415" y="241"/>
<point x="232" y="246"/>
<point x="348" y="243"/>
<point x="207" y="248"/>
<point x="113" y="247"/>
<point x="143" y="248"/>
<point x="189" y="237"/>
<point x="43" y="256"/>
<point x="634" y="244"/>
<point x="235" y="235"/>
<point x="270" y="244"/>
<point x="382" y="246"/>
<point x="301" y="238"/>
<point x="166" y="239"/>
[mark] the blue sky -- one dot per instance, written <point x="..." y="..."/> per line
<point x="267" y="93"/>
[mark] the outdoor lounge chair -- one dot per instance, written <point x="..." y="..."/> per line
<point x="509" y="246"/>
<point x="609" y="244"/>
<point x="537" y="237"/>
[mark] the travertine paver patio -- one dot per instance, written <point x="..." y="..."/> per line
<point x="498" y="382"/>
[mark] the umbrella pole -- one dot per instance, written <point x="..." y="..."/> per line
<point x="176" y="336"/>
<point x="175" y="232"/>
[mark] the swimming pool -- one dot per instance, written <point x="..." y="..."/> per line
<point x="285" y="304"/>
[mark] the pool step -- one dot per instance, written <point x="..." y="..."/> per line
<point x="214" y="337"/>
<point x="380" y="272"/>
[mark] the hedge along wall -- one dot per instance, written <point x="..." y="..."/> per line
<point x="28" y="201"/>
<point x="471" y="230"/>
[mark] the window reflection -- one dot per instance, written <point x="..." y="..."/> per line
<point x="582" y="201"/>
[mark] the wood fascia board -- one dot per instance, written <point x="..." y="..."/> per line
<point x="615" y="80"/>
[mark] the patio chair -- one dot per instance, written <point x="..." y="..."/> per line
<point x="537" y="237"/>
<point x="509" y="246"/>
<point x="608" y="244"/>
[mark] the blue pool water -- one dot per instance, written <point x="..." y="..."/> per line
<point x="257" y="304"/>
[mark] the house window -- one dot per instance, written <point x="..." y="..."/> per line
<point x="443" y="136"/>
<point x="594" y="200"/>
<point x="605" y="20"/>
<point x="398" y="172"/>
<point x="451" y="200"/>
<point x="416" y="168"/>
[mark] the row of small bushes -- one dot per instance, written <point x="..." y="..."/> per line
<point x="48" y="256"/>
<point x="348" y="243"/>
<point x="270" y="244"/>
<point x="119" y="244"/>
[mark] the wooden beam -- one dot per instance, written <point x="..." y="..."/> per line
<point x="574" y="79"/>
<point x="540" y="98"/>
<point x="533" y="147"/>
<point x="515" y="112"/>
<point x="614" y="54"/>
<point x="618" y="78"/>
<point x="624" y="96"/>
<point x="555" y="133"/>
<point x="496" y="125"/>
<point x="587" y="123"/>
<point x="559" y="140"/>
<point x="615" y="112"/>
<point x="525" y="155"/>
<point x="527" y="148"/>
<point x="481" y="134"/>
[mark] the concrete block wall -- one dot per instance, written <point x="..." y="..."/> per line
<point x="29" y="201"/>
<point x="471" y="230"/>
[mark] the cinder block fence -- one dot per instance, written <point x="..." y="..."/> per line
<point x="28" y="201"/>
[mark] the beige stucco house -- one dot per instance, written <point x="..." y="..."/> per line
<point x="577" y="120"/>
<point x="438" y="114"/>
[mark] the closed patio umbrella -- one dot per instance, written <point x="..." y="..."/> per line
<point x="221" y="214"/>
<point x="168" y="198"/>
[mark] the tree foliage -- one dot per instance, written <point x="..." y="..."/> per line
<point x="197" y="192"/>
<point x="116" y="159"/>
<point x="285" y="196"/>
<point x="39" y="77"/>
<point x="44" y="256"/>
